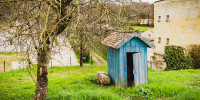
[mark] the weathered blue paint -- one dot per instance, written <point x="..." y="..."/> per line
<point x="113" y="63"/>
<point x="117" y="62"/>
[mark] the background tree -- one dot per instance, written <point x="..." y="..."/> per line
<point x="37" y="24"/>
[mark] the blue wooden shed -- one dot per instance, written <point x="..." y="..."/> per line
<point x="127" y="58"/>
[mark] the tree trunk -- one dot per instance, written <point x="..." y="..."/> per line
<point x="81" y="47"/>
<point x="81" y="54"/>
<point x="42" y="73"/>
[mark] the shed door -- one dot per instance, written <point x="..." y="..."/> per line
<point x="130" y="74"/>
<point x="136" y="68"/>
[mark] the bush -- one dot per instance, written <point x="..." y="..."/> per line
<point x="176" y="59"/>
<point x="87" y="55"/>
<point x="194" y="51"/>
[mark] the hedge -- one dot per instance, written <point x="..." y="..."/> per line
<point x="194" y="51"/>
<point x="176" y="58"/>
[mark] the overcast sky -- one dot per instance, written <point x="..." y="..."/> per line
<point x="150" y="1"/>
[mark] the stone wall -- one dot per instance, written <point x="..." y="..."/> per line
<point x="183" y="27"/>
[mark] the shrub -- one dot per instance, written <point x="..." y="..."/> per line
<point x="87" y="55"/>
<point x="194" y="51"/>
<point x="176" y="59"/>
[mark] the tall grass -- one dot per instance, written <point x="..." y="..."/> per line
<point x="79" y="83"/>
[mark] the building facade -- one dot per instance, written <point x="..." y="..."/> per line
<point x="176" y="22"/>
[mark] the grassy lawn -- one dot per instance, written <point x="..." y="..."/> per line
<point x="77" y="83"/>
<point x="141" y="28"/>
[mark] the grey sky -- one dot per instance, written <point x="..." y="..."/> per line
<point x="150" y="1"/>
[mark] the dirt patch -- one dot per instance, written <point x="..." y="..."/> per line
<point x="96" y="57"/>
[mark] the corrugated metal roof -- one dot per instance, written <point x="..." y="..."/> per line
<point x="117" y="39"/>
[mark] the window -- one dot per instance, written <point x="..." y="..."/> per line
<point x="159" y="39"/>
<point x="159" y="18"/>
<point x="167" y="18"/>
<point x="149" y="35"/>
<point x="167" y="41"/>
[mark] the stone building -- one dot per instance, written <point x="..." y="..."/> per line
<point x="176" y="22"/>
<point x="149" y="35"/>
<point x="62" y="53"/>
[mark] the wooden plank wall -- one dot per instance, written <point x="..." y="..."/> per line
<point x="134" y="45"/>
<point x="113" y="65"/>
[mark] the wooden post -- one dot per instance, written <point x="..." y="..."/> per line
<point x="91" y="61"/>
<point x="51" y="62"/>
<point x="4" y="66"/>
<point x="70" y="61"/>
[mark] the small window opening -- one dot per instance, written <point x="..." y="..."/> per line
<point x="159" y="39"/>
<point x="149" y="35"/>
<point x="167" y="18"/>
<point x="167" y="41"/>
<point x="159" y="18"/>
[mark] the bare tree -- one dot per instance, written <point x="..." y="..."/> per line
<point x="37" y="23"/>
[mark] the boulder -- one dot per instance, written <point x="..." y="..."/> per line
<point x="102" y="78"/>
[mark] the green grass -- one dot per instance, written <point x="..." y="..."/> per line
<point x="78" y="83"/>
<point x="141" y="28"/>
<point x="99" y="60"/>
<point x="78" y="58"/>
<point x="8" y="57"/>
<point x="101" y="54"/>
<point x="8" y="53"/>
